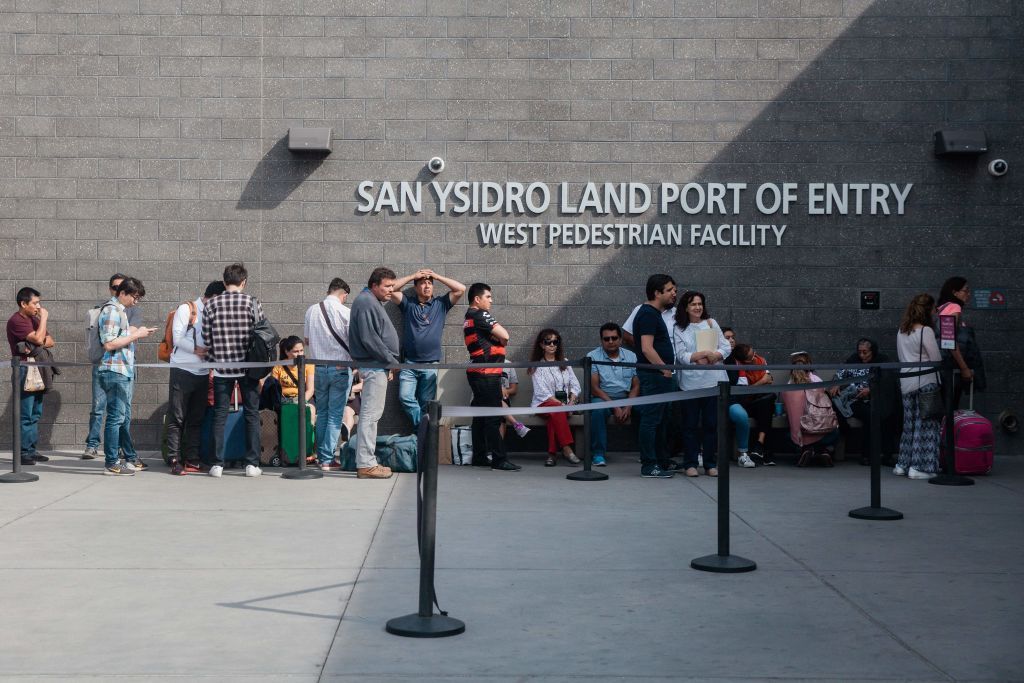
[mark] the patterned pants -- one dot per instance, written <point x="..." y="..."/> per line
<point x="919" y="444"/>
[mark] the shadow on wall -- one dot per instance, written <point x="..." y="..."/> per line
<point x="276" y="176"/>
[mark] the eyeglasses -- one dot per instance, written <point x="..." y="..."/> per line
<point x="609" y="339"/>
<point x="550" y="342"/>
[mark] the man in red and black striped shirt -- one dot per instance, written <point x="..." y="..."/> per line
<point x="486" y="340"/>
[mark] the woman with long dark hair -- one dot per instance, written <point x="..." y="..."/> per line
<point x="697" y="339"/>
<point x="953" y="298"/>
<point x="554" y="386"/>
<point x="287" y="376"/>
<point x="919" y="445"/>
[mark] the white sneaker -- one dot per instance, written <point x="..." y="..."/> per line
<point x="216" y="471"/>
<point x="918" y="474"/>
<point x="745" y="461"/>
<point x="899" y="471"/>
<point x="252" y="471"/>
<point x="521" y="429"/>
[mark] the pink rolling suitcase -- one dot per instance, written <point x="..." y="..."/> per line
<point x="973" y="444"/>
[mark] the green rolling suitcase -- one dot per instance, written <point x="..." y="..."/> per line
<point x="290" y="433"/>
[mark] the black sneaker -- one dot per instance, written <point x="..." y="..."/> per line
<point x="140" y="465"/>
<point x="506" y="466"/>
<point x="40" y="458"/>
<point x="656" y="473"/>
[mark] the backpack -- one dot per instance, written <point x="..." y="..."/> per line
<point x="166" y="347"/>
<point x="394" y="451"/>
<point x="93" y="347"/>
<point x="818" y="418"/>
<point x="262" y="348"/>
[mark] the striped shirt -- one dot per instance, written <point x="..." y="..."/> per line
<point x="113" y="324"/>
<point x="476" y="330"/>
<point x="228" y="321"/>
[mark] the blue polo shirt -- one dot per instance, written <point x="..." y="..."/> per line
<point x="422" y="327"/>
<point x="615" y="379"/>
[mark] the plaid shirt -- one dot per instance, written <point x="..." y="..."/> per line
<point x="113" y="324"/>
<point x="227" y="326"/>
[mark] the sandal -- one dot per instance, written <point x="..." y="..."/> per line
<point x="572" y="458"/>
<point x="550" y="462"/>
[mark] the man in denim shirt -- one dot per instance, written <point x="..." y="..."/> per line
<point x="117" y="374"/>
<point x="608" y="383"/>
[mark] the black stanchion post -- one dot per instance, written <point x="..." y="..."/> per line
<point x="587" y="473"/>
<point x="16" y="476"/>
<point x="950" y="477"/>
<point x="722" y="562"/>
<point x="875" y="510"/>
<point x="426" y="624"/>
<point x="302" y="472"/>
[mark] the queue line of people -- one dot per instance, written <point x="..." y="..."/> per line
<point x="216" y="327"/>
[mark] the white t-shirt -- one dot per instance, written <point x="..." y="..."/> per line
<point x="669" y="316"/>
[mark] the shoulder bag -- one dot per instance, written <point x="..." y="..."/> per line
<point x="337" y="337"/>
<point x="929" y="401"/>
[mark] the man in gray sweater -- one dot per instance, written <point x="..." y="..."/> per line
<point x="372" y="339"/>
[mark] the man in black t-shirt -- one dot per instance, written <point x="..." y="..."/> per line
<point x="655" y="347"/>
<point x="486" y="340"/>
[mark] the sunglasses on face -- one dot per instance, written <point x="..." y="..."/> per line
<point x="609" y="339"/>
<point x="550" y="342"/>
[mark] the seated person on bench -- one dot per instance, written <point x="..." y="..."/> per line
<point x="854" y="400"/>
<point x="758" y="406"/>
<point x="287" y="376"/>
<point x="607" y="383"/>
<point x="812" y="421"/>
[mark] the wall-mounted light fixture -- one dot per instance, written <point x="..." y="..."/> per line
<point x="309" y="141"/>
<point x="960" y="142"/>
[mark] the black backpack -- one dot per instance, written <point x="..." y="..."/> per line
<point x="263" y="344"/>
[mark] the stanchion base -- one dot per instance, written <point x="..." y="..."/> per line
<point x="723" y="564"/>
<point x="304" y="473"/>
<point x="18" y="478"/>
<point x="881" y="514"/>
<point x="434" y="626"/>
<point x="951" y="480"/>
<point x="587" y="475"/>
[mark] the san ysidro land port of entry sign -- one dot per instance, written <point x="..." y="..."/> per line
<point x="514" y="199"/>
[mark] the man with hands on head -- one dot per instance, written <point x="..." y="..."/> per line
<point x="423" y="318"/>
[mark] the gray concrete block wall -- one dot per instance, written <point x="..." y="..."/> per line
<point x="146" y="136"/>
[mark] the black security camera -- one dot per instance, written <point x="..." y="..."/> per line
<point x="998" y="167"/>
<point x="436" y="164"/>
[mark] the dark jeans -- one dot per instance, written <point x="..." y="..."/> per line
<point x="486" y="430"/>
<point x="186" y="404"/>
<point x="250" y="388"/>
<point x="31" y="412"/>
<point x="653" y="419"/>
<point x="701" y="414"/>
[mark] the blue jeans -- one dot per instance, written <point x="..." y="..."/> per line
<point x="415" y="388"/>
<point x="652" y="441"/>
<point x="31" y="411"/>
<point x="702" y="413"/>
<point x="738" y="416"/>
<point x="116" y="431"/>
<point x="599" y="425"/>
<point x="331" y="386"/>
<point x="99" y="408"/>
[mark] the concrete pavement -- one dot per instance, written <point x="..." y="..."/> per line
<point x="153" y="577"/>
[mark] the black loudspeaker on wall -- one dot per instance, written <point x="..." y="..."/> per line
<point x="960" y="142"/>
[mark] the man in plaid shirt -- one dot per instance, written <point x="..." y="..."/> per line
<point x="116" y="374"/>
<point x="228" y="322"/>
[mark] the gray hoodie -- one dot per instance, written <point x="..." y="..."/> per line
<point x="371" y="335"/>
